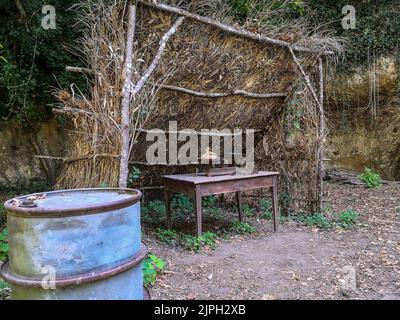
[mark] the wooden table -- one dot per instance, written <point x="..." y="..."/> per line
<point x="197" y="186"/>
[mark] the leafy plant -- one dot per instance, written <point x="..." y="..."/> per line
<point x="195" y="243"/>
<point x="3" y="244"/>
<point x="152" y="266"/>
<point x="182" y="204"/>
<point x="265" y="208"/>
<point x="5" y="290"/>
<point x="371" y="178"/>
<point x="209" y="201"/>
<point x="248" y="212"/>
<point x="153" y="211"/>
<point x="315" y="220"/>
<point x="347" y="218"/>
<point x="242" y="227"/>
<point x="167" y="236"/>
<point x="134" y="174"/>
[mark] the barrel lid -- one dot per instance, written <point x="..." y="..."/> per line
<point x="72" y="202"/>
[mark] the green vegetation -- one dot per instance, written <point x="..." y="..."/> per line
<point x="265" y="208"/>
<point x="344" y="219"/>
<point x="134" y="174"/>
<point x="153" y="212"/>
<point x="209" y="201"/>
<point x="347" y="218"/>
<point x="317" y="220"/>
<point x="209" y="204"/>
<point x="152" y="266"/>
<point x="34" y="59"/>
<point x="371" y="178"/>
<point x="167" y="236"/>
<point x="247" y="210"/>
<point x="3" y="244"/>
<point x="196" y="243"/>
<point x="182" y="205"/>
<point x="242" y="227"/>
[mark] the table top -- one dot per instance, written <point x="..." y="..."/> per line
<point x="199" y="179"/>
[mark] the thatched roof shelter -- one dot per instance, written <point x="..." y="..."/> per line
<point x="210" y="75"/>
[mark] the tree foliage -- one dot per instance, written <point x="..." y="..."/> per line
<point x="34" y="59"/>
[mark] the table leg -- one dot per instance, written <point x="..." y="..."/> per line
<point x="239" y="204"/>
<point x="198" y="213"/>
<point x="274" y="197"/>
<point x="167" y="198"/>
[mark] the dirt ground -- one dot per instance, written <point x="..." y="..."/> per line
<point x="298" y="262"/>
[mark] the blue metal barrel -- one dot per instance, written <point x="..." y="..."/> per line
<point x="75" y="244"/>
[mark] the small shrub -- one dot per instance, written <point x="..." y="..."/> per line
<point x="242" y="227"/>
<point x="153" y="211"/>
<point x="209" y="201"/>
<point x="134" y="174"/>
<point x="347" y="218"/>
<point x="371" y="178"/>
<point x="248" y="212"/>
<point x="167" y="236"/>
<point x="195" y="243"/>
<point x="151" y="267"/>
<point x="215" y="212"/>
<point x="182" y="204"/>
<point x="315" y="220"/>
<point x="265" y="208"/>
<point x="3" y="244"/>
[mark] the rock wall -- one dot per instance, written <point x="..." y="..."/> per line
<point x="364" y="120"/>
<point x="19" y="168"/>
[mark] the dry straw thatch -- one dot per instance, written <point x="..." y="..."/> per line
<point x="200" y="58"/>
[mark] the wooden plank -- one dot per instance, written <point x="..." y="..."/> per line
<point x="213" y="188"/>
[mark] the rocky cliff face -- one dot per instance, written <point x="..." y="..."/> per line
<point x="364" y="118"/>
<point x="19" y="168"/>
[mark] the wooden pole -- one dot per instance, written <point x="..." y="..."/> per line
<point x="126" y="94"/>
<point x="221" y="94"/>
<point x="321" y="131"/>
<point x="305" y="77"/>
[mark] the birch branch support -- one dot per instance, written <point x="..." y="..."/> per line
<point x="221" y="94"/>
<point x="126" y="95"/>
<point x="139" y="85"/>
<point x="305" y="76"/>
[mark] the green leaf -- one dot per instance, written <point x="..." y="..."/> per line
<point x="296" y="124"/>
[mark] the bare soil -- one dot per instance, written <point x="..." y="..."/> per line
<point x="298" y="262"/>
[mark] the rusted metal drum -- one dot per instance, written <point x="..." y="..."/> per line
<point x="75" y="244"/>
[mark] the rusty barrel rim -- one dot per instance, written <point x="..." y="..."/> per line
<point x="92" y="276"/>
<point x="38" y="212"/>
